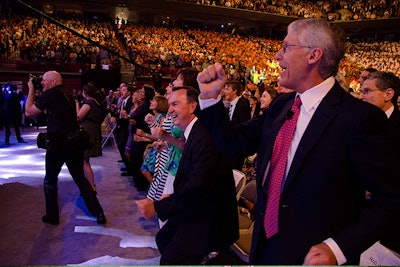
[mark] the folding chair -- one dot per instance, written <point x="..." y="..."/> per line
<point x="240" y="182"/>
<point x="107" y="130"/>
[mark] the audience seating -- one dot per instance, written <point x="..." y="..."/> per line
<point x="107" y="131"/>
<point x="240" y="182"/>
<point x="246" y="222"/>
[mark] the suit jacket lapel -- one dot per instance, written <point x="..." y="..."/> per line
<point x="186" y="149"/>
<point x="321" y="119"/>
<point x="395" y="115"/>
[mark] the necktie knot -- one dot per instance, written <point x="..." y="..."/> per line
<point x="297" y="102"/>
<point x="230" y="107"/>
<point x="183" y="141"/>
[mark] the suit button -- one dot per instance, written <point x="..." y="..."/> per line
<point x="284" y="206"/>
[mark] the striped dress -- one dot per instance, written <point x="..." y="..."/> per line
<point x="167" y="163"/>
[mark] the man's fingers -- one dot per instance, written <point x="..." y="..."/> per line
<point x="207" y="75"/>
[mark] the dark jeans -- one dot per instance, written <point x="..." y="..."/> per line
<point x="57" y="154"/>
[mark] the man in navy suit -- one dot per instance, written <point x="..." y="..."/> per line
<point x="123" y="124"/>
<point x="239" y="107"/>
<point x="341" y="147"/>
<point x="238" y="110"/>
<point x="381" y="89"/>
<point x="202" y="212"/>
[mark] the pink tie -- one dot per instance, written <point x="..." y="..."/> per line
<point x="277" y="168"/>
<point x="183" y="141"/>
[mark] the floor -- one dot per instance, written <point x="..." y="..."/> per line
<point x="126" y="239"/>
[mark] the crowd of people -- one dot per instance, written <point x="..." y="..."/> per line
<point x="34" y="40"/>
<point x="331" y="10"/>
<point x="243" y="55"/>
<point x="38" y="40"/>
<point x="313" y="145"/>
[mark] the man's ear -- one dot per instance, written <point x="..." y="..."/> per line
<point x="389" y="93"/>
<point x="315" y="55"/>
<point x="193" y="106"/>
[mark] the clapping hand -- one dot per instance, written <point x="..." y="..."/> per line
<point x="158" y="132"/>
<point x="159" y="145"/>
<point x="149" y="119"/>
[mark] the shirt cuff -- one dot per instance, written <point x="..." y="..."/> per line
<point x="205" y="103"/>
<point x="154" y="124"/>
<point x="340" y="258"/>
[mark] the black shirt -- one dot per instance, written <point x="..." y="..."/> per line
<point x="59" y="105"/>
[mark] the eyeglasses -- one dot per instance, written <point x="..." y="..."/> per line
<point x="366" y="91"/>
<point x="286" y="45"/>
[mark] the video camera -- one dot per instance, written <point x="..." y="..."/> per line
<point x="36" y="80"/>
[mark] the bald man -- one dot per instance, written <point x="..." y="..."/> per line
<point x="59" y="105"/>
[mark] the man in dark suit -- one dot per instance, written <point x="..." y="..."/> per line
<point x="381" y="89"/>
<point x="202" y="211"/>
<point x="238" y="107"/>
<point x="238" y="111"/>
<point x="13" y="113"/>
<point x="321" y="217"/>
<point x="123" y="125"/>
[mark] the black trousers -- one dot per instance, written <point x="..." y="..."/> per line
<point x="267" y="252"/>
<point x="121" y="144"/>
<point x="182" y="244"/>
<point x="17" y="131"/>
<point x="58" y="153"/>
<point x="136" y="160"/>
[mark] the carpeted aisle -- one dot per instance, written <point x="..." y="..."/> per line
<point x="126" y="239"/>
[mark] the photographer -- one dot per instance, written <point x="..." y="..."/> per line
<point x="61" y="122"/>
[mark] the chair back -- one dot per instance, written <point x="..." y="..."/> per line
<point x="240" y="182"/>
